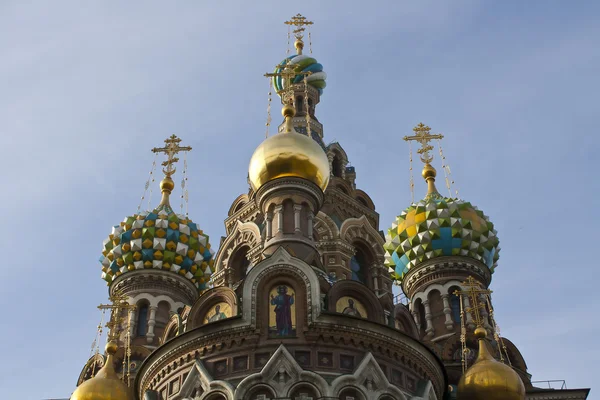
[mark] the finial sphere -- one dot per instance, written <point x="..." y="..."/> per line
<point x="288" y="111"/>
<point x="167" y="185"/>
<point x="480" y="333"/>
<point x="428" y="172"/>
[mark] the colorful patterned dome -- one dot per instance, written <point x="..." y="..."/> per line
<point x="305" y="64"/>
<point x="438" y="226"/>
<point x="161" y="240"/>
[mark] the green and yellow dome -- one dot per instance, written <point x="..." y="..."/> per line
<point x="158" y="239"/>
<point x="439" y="226"/>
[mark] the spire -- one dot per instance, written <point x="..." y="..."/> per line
<point x="171" y="149"/>
<point x="429" y="173"/>
<point x="287" y="74"/>
<point x="299" y="22"/>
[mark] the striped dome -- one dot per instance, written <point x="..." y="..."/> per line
<point x="306" y="64"/>
<point x="438" y="226"/>
<point x="161" y="240"/>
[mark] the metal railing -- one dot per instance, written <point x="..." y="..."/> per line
<point x="551" y="384"/>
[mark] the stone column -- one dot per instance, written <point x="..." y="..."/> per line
<point x="151" y="323"/>
<point x="132" y="320"/>
<point x="447" y="312"/>
<point x="297" y="210"/>
<point x="415" y="315"/>
<point x="279" y="213"/>
<point x="269" y="226"/>
<point x="428" y="319"/>
<point x="310" y="224"/>
<point x="330" y="158"/>
<point x="467" y="304"/>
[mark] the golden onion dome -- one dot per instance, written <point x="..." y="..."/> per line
<point x="106" y="385"/>
<point x="289" y="154"/>
<point x="489" y="379"/>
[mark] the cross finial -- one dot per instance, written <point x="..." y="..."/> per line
<point x="423" y="136"/>
<point x="287" y="72"/>
<point x="473" y="290"/>
<point x="299" y="22"/>
<point x="171" y="149"/>
<point x="118" y="304"/>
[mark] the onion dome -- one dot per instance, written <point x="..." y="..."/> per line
<point x="106" y="384"/>
<point x="289" y="154"/>
<point x="489" y="379"/>
<point x="302" y="63"/>
<point x="159" y="239"/>
<point x="439" y="226"/>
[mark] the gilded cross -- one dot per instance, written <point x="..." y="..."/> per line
<point x="473" y="290"/>
<point x="287" y="73"/>
<point x="118" y="304"/>
<point x="423" y="136"/>
<point x="299" y="22"/>
<point x="171" y="149"/>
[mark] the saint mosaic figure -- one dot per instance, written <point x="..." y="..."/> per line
<point x="284" y="307"/>
<point x="219" y="312"/>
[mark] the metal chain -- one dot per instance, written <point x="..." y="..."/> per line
<point x="288" y="40"/>
<point x="309" y="41"/>
<point x="447" y="172"/>
<point x="148" y="185"/>
<point x="268" y="124"/>
<point x="497" y="337"/>
<point x="463" y="336"/>
<point x="412" y="181"/>
<point x="96" y="343"/>
<point x="306" y="105"/>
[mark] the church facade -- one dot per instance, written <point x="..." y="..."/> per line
<point x="297" y="303"/>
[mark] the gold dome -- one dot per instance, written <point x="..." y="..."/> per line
<point x="489" y="379"/>
<point x="106" y="385"/>
<point x="289" y="154"/>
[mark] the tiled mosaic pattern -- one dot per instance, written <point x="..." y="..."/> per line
<point x="438" y="226"/>
<point x="159" y="239"/>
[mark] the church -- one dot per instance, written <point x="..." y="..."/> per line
<point x="309" y="296"/>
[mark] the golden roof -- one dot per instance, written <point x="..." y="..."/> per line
<point x="289" y="154"/>
<point x="106" y="385"/>
<point x="489" y="379"/>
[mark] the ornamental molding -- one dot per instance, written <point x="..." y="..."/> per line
<point x="441" y="268"/>
<point x="286" y="185"/>
<point x="155" y="281"/>
<point x="244" y="234"/>
<point x="392" y="344"/>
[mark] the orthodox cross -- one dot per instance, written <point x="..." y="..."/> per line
<point x="171" y="149"/>
<point x="299" y="22"/>
<point x="287" y="73"/>
<point x="118" y="304"/>
<point x="473" y="291"/>
<point x="423" y="136"/>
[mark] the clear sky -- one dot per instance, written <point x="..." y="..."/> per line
<point x="87" y="88"/>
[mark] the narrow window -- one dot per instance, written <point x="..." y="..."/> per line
<point x="142" y="322"/>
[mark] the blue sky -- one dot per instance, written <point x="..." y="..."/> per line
<point x="87" y="88"/>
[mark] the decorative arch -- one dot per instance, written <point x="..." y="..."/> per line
<point x="325" y="227"/>
<point x="369" y="380"/>
<point x="282" y="365"/>
<point x="364" y="199"/>
<point x="338" y="159"/>
<point x="244" y="234"/>
<point x="238" y="204"/>
<point x="516" y="358"/>
<point x="280" y="264"/>
<point x="341" y="184"/>
<point x="200" y="384"/>
<point x="209" y="299"/>
<point x="173" y="328"/>
<point x="406" y="321"/>
<point x="360" y="292"/>
<point x="359" y="229"/>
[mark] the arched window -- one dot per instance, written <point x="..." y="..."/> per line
<point x="350" y="394"/>
<point x="142" y="321"/>
<point x="455" y="305"/>
<point x="359" y="264"/>
<point x="300" y="104"/>
<point x="239" y="263"/>
<point x="337" y="166"/>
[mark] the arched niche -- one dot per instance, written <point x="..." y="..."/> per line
<point x="258" y="391"/>
<point x="351" y="393"/>
<point x="281" y="307"/>
<point x="174" y="328"/>
<point x="364" y="199"/>
<point x="238" y="204"/>
<point x="304" y="391"/>
<point x="349" y="289"/>
<point x="361" y="262"/>
<point x="404" y="321"/>
<point x="244" y="240"/>
<point x="206" y="306"/>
